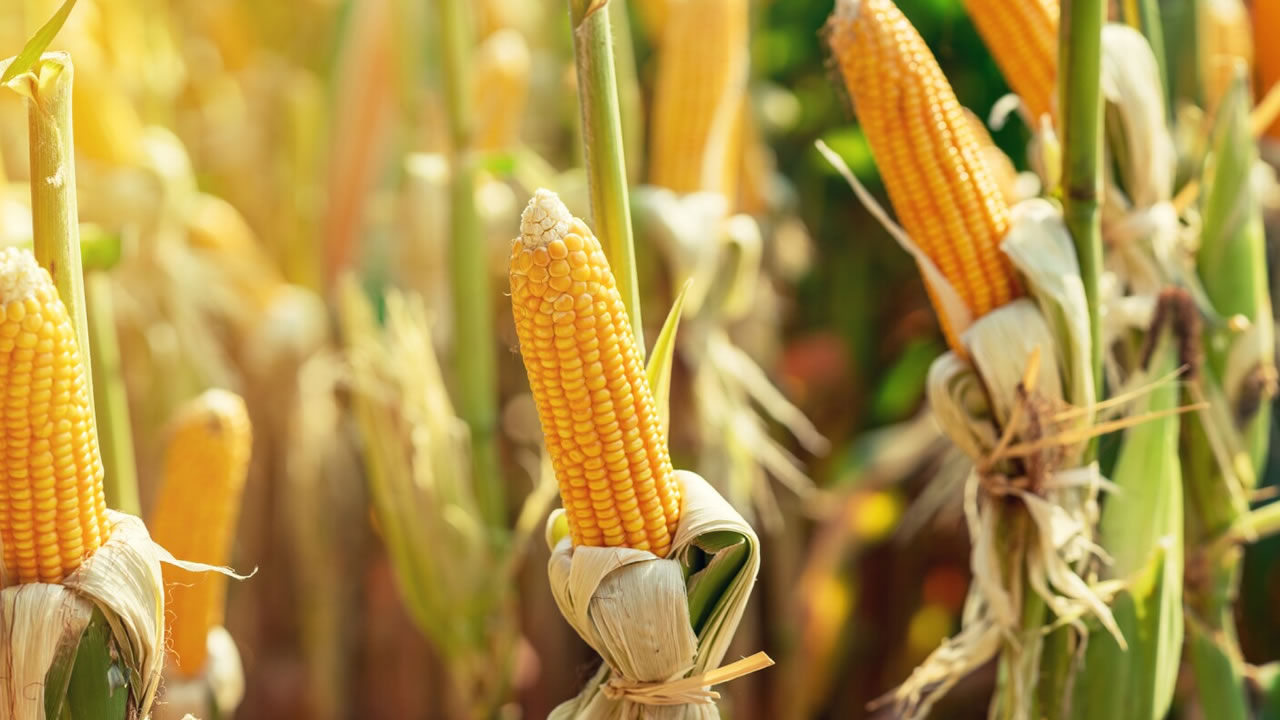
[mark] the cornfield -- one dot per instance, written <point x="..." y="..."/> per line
<point x="622" y="359"/>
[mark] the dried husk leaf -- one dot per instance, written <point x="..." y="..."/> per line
<point x="123" y="580"/>
<point x="215" y="692"/>
<point x="634" y="608"/>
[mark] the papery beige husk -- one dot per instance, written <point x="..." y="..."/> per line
<point x="39" y="620"/>
<point x="1028" y="377"/>
<point x="632" y="607"/>
<point x="215" y="692"/>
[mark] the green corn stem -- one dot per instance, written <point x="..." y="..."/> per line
<point x="1260" y="523"/>
<point x="55" y="224"/>
<point x="1080" y="47"/>
<point x="115" y="433"/>
<point x="1021" y="653"/>
<point x="1144" y="16"/>
<point x="475" y="362"/>
<point x="604" y="150"/>
<point x="1180" y="27"/>
<point x="1081" y="107"/>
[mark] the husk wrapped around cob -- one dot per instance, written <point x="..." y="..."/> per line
<point x="69" y="563"/>
<point x="1016" y="392"/>
<point x="650" y="565"/>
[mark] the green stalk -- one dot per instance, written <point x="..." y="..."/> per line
<point x="1080" y="52"/>
<point x="474" y="359"/>
<point x="1081" y="104"/>
<point x="1144" y="16"/>
<point x="604" y="150"/>
<point x="115" y="434"/>
<point x="55" y="224"/>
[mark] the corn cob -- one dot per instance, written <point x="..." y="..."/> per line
<point x="698" y="97"/>
<point x="928" y="156"/>
<point x="998" y="164"/>
<point x="195" y="515"/>
<point x="1022" y="35"/>
<point x="1266" y="23"/>
<point x="598" y="415"/>
<point x="501" y="89"/>
<point x="1226" y="46"/>
<point x="52" y="507"/>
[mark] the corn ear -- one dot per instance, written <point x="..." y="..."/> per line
<point x="598" y="414"/>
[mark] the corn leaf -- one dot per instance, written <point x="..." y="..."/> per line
<point x="36" y="45"/>
<point x="1141" y="528"/>
<point x="724" y="554"/>
<point x="1219" y="682"/>
<point x="1269" y="687"/>
<point x="1232" y="257"/>
<point x="663" y="357"/>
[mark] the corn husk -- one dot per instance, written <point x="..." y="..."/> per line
<point x="1142" y="527"/>
<point x="1018" y="405"/>
<point x="648" y="623"/>
<point x="215" y="692"/>
<point x="42" y="624"/>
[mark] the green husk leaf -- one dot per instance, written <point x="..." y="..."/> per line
<point x="1141" y="528"/>
<point x="1269" y="688"/>
<point x="98" y="684"/>
<point x="1232" y="257"/>
<point x="663" y="357"/>
<point x="31" y="52"/>
<point x="1219" y="682"/>
<point x="727" y="553"/>
<point x="57" y="679"/>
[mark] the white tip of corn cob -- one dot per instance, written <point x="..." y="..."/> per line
<point x="544" y="219"/>
<point x="20" y="275"/>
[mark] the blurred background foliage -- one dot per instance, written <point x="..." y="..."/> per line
<point x="300" y="114"/>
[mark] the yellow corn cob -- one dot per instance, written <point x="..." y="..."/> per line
<point x="501" y="89"/>
<point x="1022" y="35"/>
<point x="928" y="156"/>
<point x="998" y="164"/>
<point x="1226" y="45"/>
<point x="52" y="508"/>
<point x="196" y="512"/>
<point x="593" y="398"/>
<point x="698" y="96"/>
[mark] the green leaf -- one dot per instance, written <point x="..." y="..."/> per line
<point x="99" y="689"/>
<point x="1141" y="528"/>
<point x="34" y="48"/>
<point x="1219" y="680"/>
<point x="722" y="557"/>
<point x="58" y="678"/>
<point x="1269" y="687"/>
<point x="662" y="357"/>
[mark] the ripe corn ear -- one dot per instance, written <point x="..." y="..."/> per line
<point x="501" y="89"/>
<point x="698" y="97"/>
<point x="1227" y="43"/>
<point x="1022" y="36"/>
<point x="598" y="414"/>
<point x="52" y="507"/>
<point x="1266" y="23"/>
<point x="195" y="515"/>
<point x="928" y="156"/>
